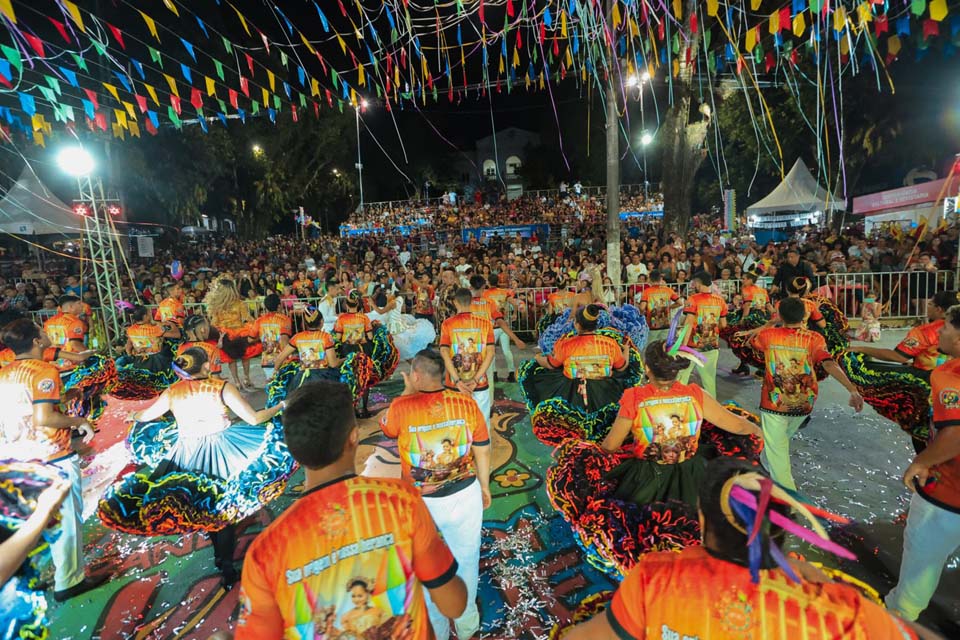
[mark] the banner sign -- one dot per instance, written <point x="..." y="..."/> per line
<point x="525" y="231"/>
<point x="349" y="230"/>
<point x="626" y="215"/>
<point x="730" y="209"/>
<point x="904" y="197"/>
<point x="145" y="246"/>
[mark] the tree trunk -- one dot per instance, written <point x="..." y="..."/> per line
<point x="681" y="136"/>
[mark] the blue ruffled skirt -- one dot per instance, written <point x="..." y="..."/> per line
<point x="626" y="319"/>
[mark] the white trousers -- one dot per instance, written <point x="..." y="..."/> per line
<point x="485" y="401"/>
<point x="500" y="337"/>
<point x="931" y="537"/>
<point x="67" y="551"/>
<point x="459" y="517"/>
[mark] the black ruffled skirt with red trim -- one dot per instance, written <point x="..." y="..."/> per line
<point x="584" y="483"/>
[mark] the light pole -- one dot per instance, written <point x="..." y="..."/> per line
<point x="362" y="105"/>
<point x="99" y="236"/>
<point x="646" y="138"/>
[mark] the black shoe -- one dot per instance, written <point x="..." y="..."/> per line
<point x="805" y="423"/>
<point x="363" y="414"/>
<point x="88" y="584"/>
<point x="496" y="377"/>
<point x="228" y="578"/>
<point x="512" y="377"/>
<point x="742" y="370"/>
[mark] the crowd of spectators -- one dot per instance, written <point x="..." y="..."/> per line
<point x="572" y="255"/>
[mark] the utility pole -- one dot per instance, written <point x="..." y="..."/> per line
<point x="613" y="156"/>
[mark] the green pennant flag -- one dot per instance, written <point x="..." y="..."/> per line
<point x="48" y="94"/>
<point x="12" y="54"/>
<point x="58" y="114"/>
<point x="155" y="56"/>
<point x="334" y="78"/>
<point x="80" y="62"/>
<point x="340" y="105"/>
<point x="550" y="58"/>
<point x="712" y="63"/>
<point x="68" y="112"/>
<point x="276" y="102"/>
<point x="434" y="93"/>
<point x="174" y="118"/>
<point x="379" y="95"/>
<point x="459" y="7"/>
<point x="54" y="84"/>
<point x="303" y="99"/>
<point x="815" y="6"/>
<point x="917" y="7"/>
<point x="283" y="59"/>
<point x="219" y="66"/>
<point x="223" y="105"/>
<point x="707" y="37"/>
<point x="393" y="36"/>
<point x="675" y="47"/>
<point x="255" y="109"/>
<point x="758" y="53"/>
<point x="227" y="45"/>
<point x="102" y="50"/>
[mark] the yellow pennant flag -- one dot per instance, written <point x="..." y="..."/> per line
<point x="563" y="24"/>
<point x="306" y="42"/>
<point x="839" y="18"/>
<point x="676" y="67"/>
<point x="118" y="131"/>
<point x="799" y="24"/>
<point x="131" y="112"/>
<point x="541" y="80"/>
<point x="353" y="98"/>
<point x="569" y="57"/>
<point x="151" y="25"/>
<point x="893" y="45"/>
<point x="361" y="78"/>
<point x="938" y="10"/>
<point x="712" y="7"/>
<point x="314" y="87"/>
<point x="864" y="15"/>
<point x="120" y="117"/>
<point x="343" y="45"/>
<point x="754" y="4"/>
<point x="751" y="39"/>
<point x="526" y="81"/>
<point x="516" y="58"/>
<point x="38" y="139"/>
<point x="173" y="85"/>
<point x="678" y="9"/>
<point x="74" y="12"/>
<point x="501" y="68"/>
<point x="775" y="22"/>
<point x="6" y="8"/>
<point x="243" y="20"/>
<point x="113" y="91"/>
<point x="845" y="45"/>
<point x="634" y="29"/>
<point x="134" y="129"/>
<point x="172" y="7"/>
<point x="37" y="122"/>
<point x="616" y="13"/>
<point x="266" y="97"/>
<point x="396" y="77"/>
<point x="153" y="94"/>
<point x="272" y="80"/>
<point x="211" y="86"/>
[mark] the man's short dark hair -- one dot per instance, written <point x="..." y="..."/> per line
<point x="429" y="363"/>
<point x="19" y="335"/>
<point x="703" y="278"/>
<point x="463" y="296"/>
<point x="317" y="421"/>
<point x="655" y="275"/>
<point x="477" y="282"/>
<point x="169" y="287"/>
<point x="66" y="299"/>
<point x="792" y="310"/>
<point x="272" y="302"/>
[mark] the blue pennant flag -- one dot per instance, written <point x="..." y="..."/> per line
<point x="203" y="28"/>
<point x="243" y="115"/>
<point x="154" y="119"/>
<point x="393" y="25"/>
<point x="286" y="89"/>
<point x="69" y="75"/>
<point x="189" y="48"/>
<point x="272" y="114"/>
<point x="88" y="109"/>
<point x="301" y="75"/>
<point x="139" y="67"/>
<point x="203" y="122"/>
<point x="27" y="103"/>
<point x="326" y="25"/>
<point x="223" y="118"/>
<point x="903" y="26"/>
<point x="122" y="77"/>
<point x="6" y="70"/>
<point x="547" y="18"/>
<point x="186" y="73"/>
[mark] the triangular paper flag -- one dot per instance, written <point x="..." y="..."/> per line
<point x="151" y="25"/>
<point x="74" y="12"/>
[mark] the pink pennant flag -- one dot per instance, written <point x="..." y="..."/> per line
<point x="117" y="35"/>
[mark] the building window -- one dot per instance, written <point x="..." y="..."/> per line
<point x="489" y="169"/>
<point x="513" y="165"/>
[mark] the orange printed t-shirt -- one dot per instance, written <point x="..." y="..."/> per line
<point x="756" y="296"/>
<point x="270" y="328"/>
<point x="198" y="407"/>
<point x="666" y="423"/>
<point x="944" y="489"/>
<point x="587" y="356"/>
<point x="349" y="558"/>
<point x="170" y="310"/>
<point x="708" y="308"/>
<point x="923" y="345"/>
<point x="658" y="299"/>
<point x="789" y="376"/>
<point x="213" y="353"/>
<point x="312" y="348"/>
<point x="436" y="433"/>
<point x="23" y="384"/>
<point x="147" y="339"/>
<point x="485" y="308"/>
<point x="6" y="357"/>
<point x="811" y="312"/>
<point x="466" y="335"/>
<point x="560" y="300"/>
<point x="498" y="296"/>
<point x="353" y="327"/>
<point x="66" y="331"/>
<point x="657" y="597"/>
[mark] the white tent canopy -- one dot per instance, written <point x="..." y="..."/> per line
<point x="799" y="192"/>
<point x="30" y="208"/>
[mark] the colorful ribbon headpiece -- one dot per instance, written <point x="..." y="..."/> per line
<point x="590" y="317"/>
<point x="188" y="362"/>
<point x="674" y="344"/>
<point x="751" y="514"/>
<point x="310" y="314"/>
<point x="801" y="285"/>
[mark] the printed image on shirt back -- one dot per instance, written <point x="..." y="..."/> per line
<point x="588" y="367"/>
<point x="794" y="387"/>
<point x="353" y="332"/>
<point x="466" y="349"/>
<point x="440" y="453"/>
<point x="313" y="353"/>
<point x="669" y="429"/>
<point x="659" y="309"/>
<point x="707" y="333"/>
